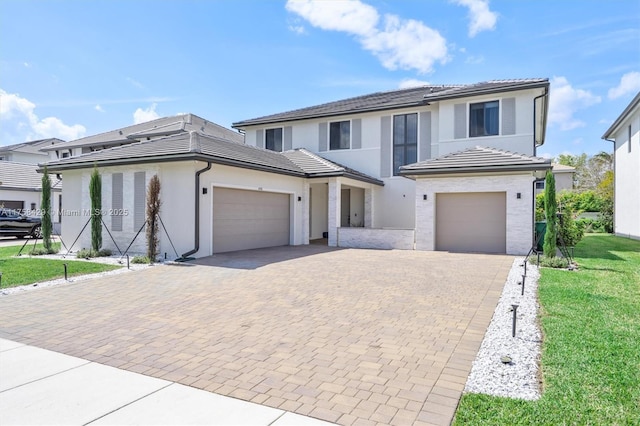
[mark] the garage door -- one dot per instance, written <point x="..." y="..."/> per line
<point x="245" y="220"/>
<point x="471" y="222"/>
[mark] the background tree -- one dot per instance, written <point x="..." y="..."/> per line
<point x="605" y="192"/>
<point x="95" y="194"/>
<point x="590" y="171"/>
<point x="550" y="209"/>
<point x="45" y="205"/>
<point x="153" y="210"/>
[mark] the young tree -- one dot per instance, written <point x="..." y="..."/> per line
<point x="46" y="211"/>
<point x="153" y="210"/>
<point x="95" y="194"/>
<point x="550" y="210"/>
<point x="605" y="192"/>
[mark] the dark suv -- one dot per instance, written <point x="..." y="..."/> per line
<point x="14" y="224"/>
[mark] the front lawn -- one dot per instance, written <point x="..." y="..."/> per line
<point x="27" y="270"/>
<point x="591" y="350"/>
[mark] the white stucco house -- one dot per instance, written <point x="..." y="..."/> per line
<point x="429" y="168"/>
<point x="563" y="176"/>
<point x="28" y="152"/>
<point x="625" y="134"/>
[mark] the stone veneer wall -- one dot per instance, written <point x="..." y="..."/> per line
<point x="371" y="238"/>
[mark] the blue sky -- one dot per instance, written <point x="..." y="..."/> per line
<point x="75" y="68"/>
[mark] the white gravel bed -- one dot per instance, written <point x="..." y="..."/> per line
<point x="518" y="378"/>
<point x="111" y="260"/>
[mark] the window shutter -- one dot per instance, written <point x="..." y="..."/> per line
<point x="322" y="136"/>
<point x="139" y="200"/>
<point x="260" y="138"/>
<point x="356" y="133"/>
<point x="116" y="201"/>
<point x="460" y="121"/>
<point x="287" y="143"/>
<point x="385" y="146"/>
<point x="425" y="136"/>
<point x="509" y="116"/>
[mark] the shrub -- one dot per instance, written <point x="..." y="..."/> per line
<point x="153" y="210"/>
<point x="90" y="253"/>
<point x="590" y="226"/>
<point x="568" y="231"/>
<point x="551" y="262"/>
<point x="550" y="209"/>
<point x="140" y="259"/>
<point x="46" y="211"/>
<point x="95" y="193"/>
<point x="40" y="251"/>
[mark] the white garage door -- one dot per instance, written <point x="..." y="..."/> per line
<point x="245" y="220"/>
<point x="471" y="222"/>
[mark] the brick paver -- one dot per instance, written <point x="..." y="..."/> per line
<point x="347" y="336"/>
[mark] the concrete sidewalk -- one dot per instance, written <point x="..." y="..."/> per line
<point x="38" y="386"/>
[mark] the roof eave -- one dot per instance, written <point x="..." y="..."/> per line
<point x="622" y="117"/>
<point x="467" y="170"/>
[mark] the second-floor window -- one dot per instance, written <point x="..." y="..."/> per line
<point x="340" y="135"/>
<point x="273" y="139"/>
<point x="405" y="140"/>
<point x="483" y="119"/>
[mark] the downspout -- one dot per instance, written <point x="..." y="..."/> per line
<point x="195" y="147"/>
<point x="536" y="145"/>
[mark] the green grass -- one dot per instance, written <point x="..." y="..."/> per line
<point x="591" y="350"/>
<point x="24" y="270"/>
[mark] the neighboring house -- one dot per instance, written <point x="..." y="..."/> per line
<point x="563" y="175"/>
<point x="21" y="189"/>
<point x="625" y="134"/>
<point x="165" y="126"/>
<point x="27" y="152"/>
<point x="433" y="168"/>
<point x="487" y="132"/>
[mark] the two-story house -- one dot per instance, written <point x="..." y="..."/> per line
<point x="432" y="168"/>
<point x="625" y="135"/>
<point x="469" y="151"/>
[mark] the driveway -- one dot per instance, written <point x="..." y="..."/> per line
<point x="347" y="336"/>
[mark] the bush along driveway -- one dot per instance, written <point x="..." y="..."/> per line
<point x="590" y="363"/>
<point x="23" y="270"/>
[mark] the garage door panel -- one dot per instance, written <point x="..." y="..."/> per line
<point x="245" y="219"/>
<point x="471" y="222"/>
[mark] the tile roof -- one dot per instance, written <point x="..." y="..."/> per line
<point x="164" y="126"/>
<point x="316" y="166"/>
<point x="474" y="160"/>
<point x="32" y="147"/>
<point x="24" y="177"/>
<point x="197" y="146"/>
<point x="561" y="168"/>
<point x="414" y="96"/>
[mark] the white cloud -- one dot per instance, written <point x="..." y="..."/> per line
<point x="352" y="16"/>
<point x="135" y="83"/>
<point x="565" y="101"/>
<point x="98" y="108"/>
<point x="482" y="19"/>
<point x="17" y="114"/>
<point x="474" y="60"/>
<point x="408" y="83"/>
<point x="144" y="115"/>
<point x="629" y="83"/>
<point x="398" y="43"/>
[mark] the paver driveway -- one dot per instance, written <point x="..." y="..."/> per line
<point x="348" y="336"/>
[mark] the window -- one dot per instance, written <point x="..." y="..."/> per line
<point x="629" y="146"/>
<point x="483" y="119"/>
<point x="405" y="140"/>
<point x="540" y="184"/>
<point x="274" y="139"/>
<point x="340" y="135"/>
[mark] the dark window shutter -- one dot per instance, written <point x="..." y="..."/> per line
<point x="425" y="136"/>
<point x="116" y="201"/>
<point x="385" y="146"/>
<point x="509" y="116"/>
<point x="460" y="121"/>
<point x="288" y="139"/>
<point x="322" y="137"/>
<point x="139" y="199"/>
